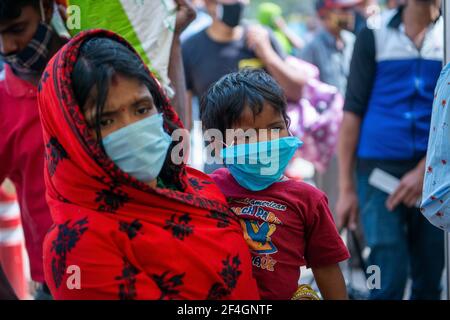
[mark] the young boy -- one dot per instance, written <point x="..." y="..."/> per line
<point x="287" y="223"/>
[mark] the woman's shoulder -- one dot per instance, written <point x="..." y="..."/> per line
<point x="204" y="184"/>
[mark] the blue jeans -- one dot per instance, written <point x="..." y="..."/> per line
<point x="401" y="243"/>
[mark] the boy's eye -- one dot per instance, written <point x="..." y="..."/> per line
<point x="17" y="29"/>
<point x="278" y="127"/>
<point x="106" y="122"/>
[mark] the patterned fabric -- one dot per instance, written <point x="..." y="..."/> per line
<point x="305" y="292"/>
<point x="34" y="56"/>
<point x="436" y="192"/>
<point x="151" y="38"/>
<point x="127" y="240"/>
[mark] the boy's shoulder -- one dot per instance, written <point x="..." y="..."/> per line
<point x="221" y="177"/>
<point x="300" y="191"/>
<point x="219" y="173"/>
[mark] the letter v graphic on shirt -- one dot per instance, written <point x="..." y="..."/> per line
<point x="258" y="236"/>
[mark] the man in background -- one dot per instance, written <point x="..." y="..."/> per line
<point x="227" y="46"/>
<point x="332" y="48"/>
<point x="386" y="125"/>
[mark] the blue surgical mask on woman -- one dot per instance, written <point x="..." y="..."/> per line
<point x="256" y="166"/>
<point x="140" y="149"/>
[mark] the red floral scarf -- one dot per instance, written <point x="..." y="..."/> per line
<point x="116" y="238"/>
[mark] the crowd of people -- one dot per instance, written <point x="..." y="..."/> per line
<point x="88" y="139"/>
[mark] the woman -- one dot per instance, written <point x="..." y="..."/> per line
<point x="128" y="223"/>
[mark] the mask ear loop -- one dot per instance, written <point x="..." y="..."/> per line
<point x="219" y="11"/>
<point x="226" y="145"/>
<point x="41" y="7"/>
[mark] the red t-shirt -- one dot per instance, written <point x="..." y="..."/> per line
<point x="286" y="226"/>
<point x="22" y="160"/>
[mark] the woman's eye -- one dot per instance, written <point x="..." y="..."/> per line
<point x="143" y="110"/>
<point x="106" y="122"/>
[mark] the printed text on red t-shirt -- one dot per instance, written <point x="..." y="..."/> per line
<point x="259" y="224"/>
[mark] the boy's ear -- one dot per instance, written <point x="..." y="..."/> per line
<point x="287" y="121"/>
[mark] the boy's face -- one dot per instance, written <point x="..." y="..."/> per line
<point x="17" y="33"/>
<point x="340" y="19"/>
<point x="212" y="5"/>
<point x="264" y="124"/>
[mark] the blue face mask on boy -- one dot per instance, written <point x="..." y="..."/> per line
<point x="256" y="166"/>
<point x="139" y="149"/>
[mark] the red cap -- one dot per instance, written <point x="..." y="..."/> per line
<point x="336" y="4"/>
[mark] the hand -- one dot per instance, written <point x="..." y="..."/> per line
<point x="409" y="190"/>
<point x="280" y="23"/>
<point x="185" y="15"/>
<point x="347" y="210"/>
<point x="258" y="40"/>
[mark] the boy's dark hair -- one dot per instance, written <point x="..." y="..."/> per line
<point x="224" y="102"/>
<point x="11" y="9"/>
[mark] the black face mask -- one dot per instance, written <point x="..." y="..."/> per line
<point x="230" y="14"/>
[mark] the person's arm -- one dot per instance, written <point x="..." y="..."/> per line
<point x="189" y="121"/>
<point x="347" y="204"/>
<point x="176" y="76"/>
<point x="289" y="76"/>
<point x="185" y="14"/>
<point x="359" y="89"/>
<point x="436" y="188"/>
<point x="324" y="249"/>
<point x="331" y="282"/>
<point x="294" y="39"/>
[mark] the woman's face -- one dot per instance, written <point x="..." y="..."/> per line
<point x="128" y="101"/>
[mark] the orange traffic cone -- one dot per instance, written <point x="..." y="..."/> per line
<point x="12" y="245"/>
